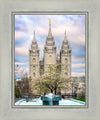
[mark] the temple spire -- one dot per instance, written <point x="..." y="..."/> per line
<point x="65" y="39"/>
<point x="34" y="37"/>
<point x="49" y="33"/>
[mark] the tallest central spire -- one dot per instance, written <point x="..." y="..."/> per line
<point x="49" y="33"/>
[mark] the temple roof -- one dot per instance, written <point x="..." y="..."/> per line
<point x="65" y="45"/>
<point x="34" y="44"/>
<point x="50" y="41"/>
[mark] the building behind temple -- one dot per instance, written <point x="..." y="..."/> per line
<point x="63" y="57"/>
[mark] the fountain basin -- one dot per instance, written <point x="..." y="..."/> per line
<point x="50" y="99"/>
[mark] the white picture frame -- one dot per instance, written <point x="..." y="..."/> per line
<point x="7" y="112"/>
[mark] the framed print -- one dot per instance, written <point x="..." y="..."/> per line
<point x="49" y="65"/>
<point x="50" y="59"/>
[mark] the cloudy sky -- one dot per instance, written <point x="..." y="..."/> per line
<point x="25" y="25"/>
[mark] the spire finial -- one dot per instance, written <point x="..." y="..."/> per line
<point x="49" y="20"/>
<point x="49" y="33"/>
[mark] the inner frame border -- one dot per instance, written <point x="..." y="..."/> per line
<point x="86" y="13"/>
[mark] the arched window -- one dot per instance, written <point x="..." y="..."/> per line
<point x="33" y="68"/>
<point x="33" y="74"/>
<point x="66" y="61"/>
<point x="50" y="59"/>
<point x="66" y="73"/>
<point x="34" y="61"/>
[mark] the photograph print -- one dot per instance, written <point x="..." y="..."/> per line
<point x="50" y="60"/>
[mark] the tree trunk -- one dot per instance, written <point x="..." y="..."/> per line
<point x="55" y="91"/>
<point x="51" y="91"/>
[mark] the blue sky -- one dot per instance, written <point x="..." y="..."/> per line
<point x="25" y="25"/>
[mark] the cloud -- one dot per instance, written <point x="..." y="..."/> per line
<point x="19" y="63"/>
<point x="78" y="74"/>
<point x="73" y="25"/>
<point x="19" y="35"/>
<point x="75" y="59"/>
<point x="22" y="51"/>
<point x="78" y="69"/>
<point x="78" y="65"/>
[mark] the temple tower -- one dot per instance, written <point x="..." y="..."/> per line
<point x="66" y="59"/>
<point x="49" y="50"/>
<point x="34" y="59"/>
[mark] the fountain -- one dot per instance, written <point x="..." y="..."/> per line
<point x="50" y="99"/>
